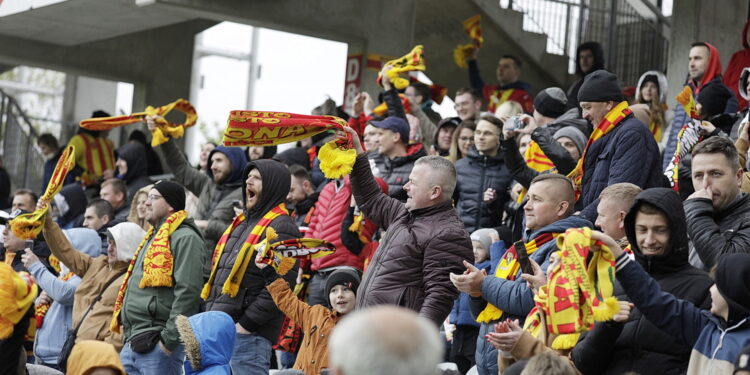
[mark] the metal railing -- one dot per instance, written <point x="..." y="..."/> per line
<point x="634" y="40"/>
<point x="21" y="157"/>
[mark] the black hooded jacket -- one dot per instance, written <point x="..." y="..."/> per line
<point x="136" y="176"/>
<point x="638" y="345"/>
<point x="598" y="53"/>
<point x="253" y="307"/>
<point x="76" y="200"/>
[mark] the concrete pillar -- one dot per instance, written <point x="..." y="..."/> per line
<point x="717" y="22"/>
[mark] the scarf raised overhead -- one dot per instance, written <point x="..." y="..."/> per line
<point x="158" y="264"/>
<point x="578" y="291"/>
<point x="412" y="61"/>
<point x="232" y="284"/>
<point x="688" y="136"/>
<point x="28" y="226"/>
<point x="263" y="128"/>
<point x="610" y="121"/>
<point x="508" y="268"/>
<point x="281" y="254"/>
<point x="164" y="129"/>
<point x="473" y="27"/>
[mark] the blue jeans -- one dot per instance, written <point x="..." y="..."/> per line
<point x="252" y="355"/>
<point x="155" y="362"/>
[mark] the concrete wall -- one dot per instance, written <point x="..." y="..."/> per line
<point x="717" y="22"/>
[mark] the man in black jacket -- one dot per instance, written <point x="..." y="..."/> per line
<point x="655" y="227"/>
<point x="258" y="320"/>
<point x="717" y="213"/>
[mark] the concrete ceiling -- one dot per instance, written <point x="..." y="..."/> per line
<point x="75" y="22"/>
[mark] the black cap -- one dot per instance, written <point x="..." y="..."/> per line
<point x="600" y="86"/>
<point x="5" y="217"/>
<point x="396" y="125"/>
<point x="713" y="99"/>
<point x="343" y="276"/>
<point x="551" y="102"/>
<point x="172" y="192"/>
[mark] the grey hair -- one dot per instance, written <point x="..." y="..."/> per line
<point x="380" y="341"/>
<point x="443" y="173"/>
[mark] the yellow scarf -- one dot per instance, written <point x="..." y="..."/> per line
<point x="17" y="293"/>
<point x="28" y="226"/>
<point x="158" y="264"/>
<point x="246" y="254"/>
<point x="610" y="121"/>
<point x="508" y="269"/>
<point x="412" y="61"/>
<point x="536" y="160"/>
<point x="164" y="129"/>
<point x="473" y="27"/>
<point x="578" y="291"/>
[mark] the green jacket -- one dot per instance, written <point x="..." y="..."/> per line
<point x="151" y="308"/>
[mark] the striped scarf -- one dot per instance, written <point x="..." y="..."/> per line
<point x="232" y="284"/>
<point x="158" y="265"/>
<point x="610" y="121"/>
<point x="536" y="160"/>
<point x="508" y="268"/>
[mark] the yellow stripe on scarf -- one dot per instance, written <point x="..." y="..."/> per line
<point x="412" y="61"/>
<point x="164" y="129"/>
<point x="508" y="268"/>
<point x="28" y="226"/>
<point x="536" y="160"/>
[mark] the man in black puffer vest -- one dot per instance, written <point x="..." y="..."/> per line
<point x="258" y="320"/>
<point x="656" y="230"/>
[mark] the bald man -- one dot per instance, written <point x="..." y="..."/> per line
<point x="381" y="341"/>
<point x="547" y="214"/>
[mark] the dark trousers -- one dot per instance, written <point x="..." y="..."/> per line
<point x="464" y="346"/>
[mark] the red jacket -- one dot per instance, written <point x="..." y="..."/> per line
<point x="330" y="212"/>
<point x="739" y="61"/>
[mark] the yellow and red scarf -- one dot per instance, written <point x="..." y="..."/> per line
<point x="578" y="291"/>
<point x="264" y="128"/>
<point x="246" y="254"/>
<point x="610" y="121"/>
<point x="536" y="160"/>
<point x="412" y="61"/>
<point x="164" y="129"/>
<point x="158" y="265"/>
<point x="17" y="292"/>
<point x="281" y="255"/>
<point x="473" y="27"/>
<point x="28" y="226"/>
<point x="508" y="268"/>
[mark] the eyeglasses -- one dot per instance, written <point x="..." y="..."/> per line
<point x="465" y="139"/>
<point x="152" y="197"/>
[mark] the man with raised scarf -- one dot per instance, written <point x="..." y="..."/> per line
<point x="163" y="280"/>
<point x="620" y="149"/>
<point x="505" y="294"/>
<point x="236" y="285"/>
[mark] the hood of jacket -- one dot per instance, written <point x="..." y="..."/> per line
<point x="75" y="202"/>
<point x="743" y="83"/>
<point x="135" y="155"/>
<point x="85" y="240"/>
<point x="663" y="86"/>
<point x="127" y="237"/>
<point x="209" y="339"/>
<point x="449" y="121"/>
<point x="237" y="159"/>
<point x="676" y="255"/>
<point x="292" y="156"/>
<point x="276" y="183"/>
<point x="90" y="354"/>
<point x="733" y="282"/>
<point x="414" y="151"/>
<point x="713" y="69"/>
<point x="597" y="51"/>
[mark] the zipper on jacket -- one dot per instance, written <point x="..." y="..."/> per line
<point x="721" y="342"/>
<point x="480" y="206"/>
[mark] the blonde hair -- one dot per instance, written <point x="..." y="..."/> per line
<point x="133" y="215"/>
<point x="508" y="108"/>
<point x="548" y="363"/>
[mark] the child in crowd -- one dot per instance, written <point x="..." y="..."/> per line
<point x="317" y="321"/>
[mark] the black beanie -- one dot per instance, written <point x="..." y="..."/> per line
<point x="713" y="99"/>
<point x="650" y="78"/>
<point x="172" y="192"/>
<point x="343" y="276"/>
<point x="600" y="86"/>
<point x="551" y="102"/>
<point x="733" y="282"/>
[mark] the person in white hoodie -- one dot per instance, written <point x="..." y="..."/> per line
<point x="651" y="94"/>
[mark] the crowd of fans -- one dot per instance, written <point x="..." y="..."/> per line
<point x="137" y="276"/>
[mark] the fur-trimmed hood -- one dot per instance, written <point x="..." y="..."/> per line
<point x="209" y="342"/>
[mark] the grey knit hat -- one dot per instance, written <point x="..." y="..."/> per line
<point x="574" y="134"/>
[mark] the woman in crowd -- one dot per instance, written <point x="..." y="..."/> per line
<point x="652" y="91"/>
<point x="138" y="208"/>
<point x="462" y="140"/>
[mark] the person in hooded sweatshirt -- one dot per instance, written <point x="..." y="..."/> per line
<point x="589" y="58"/>
<point x="242" y="295"/>
<point x="716" y="336"/>
<point x="91" y="357"/>
<point x="71" y="205"/>
<point x="651" y="93"/>
<point x="656" y="230"/>
<point x="59" y="294"/>
<point x="216" y="190"/>
<point x="209" y="339"/>
<point x="132" y="167"/>
<point x="101" y="277"/>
